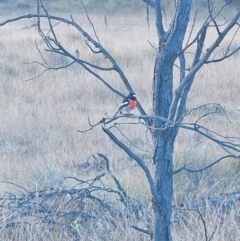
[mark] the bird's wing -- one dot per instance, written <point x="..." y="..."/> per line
<point x="125" y="103"/>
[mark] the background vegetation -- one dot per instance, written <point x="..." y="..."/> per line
<point x="39" y="119"/>
<point x="106" y="6"/>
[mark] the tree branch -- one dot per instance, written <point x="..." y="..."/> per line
<point x="184" y="168"/>
<point x="48" y="40"/>
<point x="204" y="224"/>
<point x="142" y="230"/>
<point x="89" y="20"/>
<point x="178" y="105"/>
<point x="131" y="143"/>
<point x="136" y="158"/>
<point x="159" y="21"/>
<point x="150" y="2"/>
<point x="189" y="77"/>
<point x="123" y="193"/>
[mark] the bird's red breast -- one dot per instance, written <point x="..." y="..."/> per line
<point x="132" y="104"/>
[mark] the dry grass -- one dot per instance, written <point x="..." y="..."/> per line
<point x="39" y="119"/>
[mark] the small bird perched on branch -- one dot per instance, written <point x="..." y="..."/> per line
<point x="129" y="103"/>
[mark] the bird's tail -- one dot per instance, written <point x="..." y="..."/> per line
<point x="116" y="114"/>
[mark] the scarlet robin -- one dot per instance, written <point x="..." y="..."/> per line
<point x="129" y="103"/>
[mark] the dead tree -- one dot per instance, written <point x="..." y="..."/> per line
<point x="169" y="104"/>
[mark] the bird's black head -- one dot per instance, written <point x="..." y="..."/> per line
<point x="132" y="96"/>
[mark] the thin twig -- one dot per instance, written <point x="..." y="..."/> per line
<point x="152" y="45"/>
<point x="184" y="168"/>
<point x="92" y="126"/>
<point x="142" y="230"/>
<point x="137" y="159"/>
<point x="131" y="143"/>
<point x="204" y="224"/>
<point x="89" y="20"/>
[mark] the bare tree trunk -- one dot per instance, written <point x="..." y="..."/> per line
<point x="163" y="156"/>
<point x="164" y="185"/>
<point x="170" y="44"/>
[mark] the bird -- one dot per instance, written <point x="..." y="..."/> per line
<point x="128" y="104"/>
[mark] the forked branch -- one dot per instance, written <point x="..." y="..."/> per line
<point x="203" y="55"/>
<point x="135" y="157"/>
<point x="231" y="145"/>
<point x="53" y="45"/>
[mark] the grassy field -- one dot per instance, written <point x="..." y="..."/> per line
<point x="39" y="119"/>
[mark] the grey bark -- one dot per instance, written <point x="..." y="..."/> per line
<point x="172" y="105"/>
<point x="170" y="43"/>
